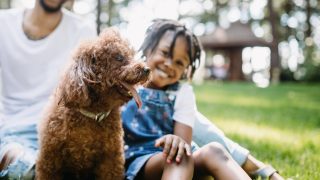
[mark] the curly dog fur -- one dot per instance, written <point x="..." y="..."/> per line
<point x="100" y="78"/>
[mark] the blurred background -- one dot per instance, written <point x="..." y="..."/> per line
<point x="260" y="75"/>
<point x="263" y="41"/>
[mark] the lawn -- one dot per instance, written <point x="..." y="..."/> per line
<point x="280" y="124"/>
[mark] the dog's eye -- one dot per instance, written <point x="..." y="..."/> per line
<point x="119" y="57"/>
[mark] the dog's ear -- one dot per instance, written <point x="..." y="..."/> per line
<point x="75" y="90"/>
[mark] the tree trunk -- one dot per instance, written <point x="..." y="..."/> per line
<point x="275" y="64"/>
<point x="235" y="68"/>
<point x="309" y="30"/>
<point x="98" y="15"/>
<point x="110" y="12"/>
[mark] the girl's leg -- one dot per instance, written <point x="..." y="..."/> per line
<point x="252" y="164"/>
<point x="157" y="168"/>
<point x="212" y="159"/>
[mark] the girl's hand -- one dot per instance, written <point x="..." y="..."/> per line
<point x="173" y="147"/>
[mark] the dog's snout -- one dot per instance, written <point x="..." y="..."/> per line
<point x="146" y="70"/>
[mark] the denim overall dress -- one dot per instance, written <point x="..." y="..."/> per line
<point x="143" y="126"/>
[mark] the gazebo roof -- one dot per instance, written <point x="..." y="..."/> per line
<point x="237" y="35"/>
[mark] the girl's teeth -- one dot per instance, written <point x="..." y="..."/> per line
<point x="161" y="73"/>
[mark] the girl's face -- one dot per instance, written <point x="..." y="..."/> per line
<point x="167" y="70"/>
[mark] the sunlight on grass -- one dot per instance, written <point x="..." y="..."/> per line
<point x="280" y="125"/>
<point x="244" y="101"/>
<point x="273" y="135"/>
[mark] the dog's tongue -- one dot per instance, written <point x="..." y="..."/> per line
<point x="134" y="93"/>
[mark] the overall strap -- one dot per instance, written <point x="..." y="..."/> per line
<point x="172" y="91"/>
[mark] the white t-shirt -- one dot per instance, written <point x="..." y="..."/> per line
<point x="30" y="70"/>
<point x="185" y="106"/>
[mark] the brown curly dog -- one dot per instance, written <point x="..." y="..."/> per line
<point x="81" y="136"/>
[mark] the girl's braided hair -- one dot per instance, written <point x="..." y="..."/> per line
<point x="158" y="28"/>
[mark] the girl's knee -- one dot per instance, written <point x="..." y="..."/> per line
<point x="186" y="162"/>
<point x="215" y="152"/>
<point x="189" y="162"/>
<point x="183" y="170"/>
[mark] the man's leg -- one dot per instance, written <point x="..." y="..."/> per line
<point x="9" y="155"/>
<point x="18" y="151"/>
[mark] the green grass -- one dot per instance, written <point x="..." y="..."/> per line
<point x="280" y="124"/>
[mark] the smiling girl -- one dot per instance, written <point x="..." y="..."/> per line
<point x="158" y="136"/>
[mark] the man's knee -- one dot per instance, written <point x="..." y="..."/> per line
<point x="10" y="154"/>
<point x="16" y="163"/>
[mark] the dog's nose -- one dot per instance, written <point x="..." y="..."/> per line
<point x="146" y="70"/>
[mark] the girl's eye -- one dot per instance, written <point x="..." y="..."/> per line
<point x="119" y="57"/>
<point x="179" y="63"/>
<point x="165" y="53"/>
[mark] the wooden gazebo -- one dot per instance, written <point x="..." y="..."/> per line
<point x="232" y="41"/>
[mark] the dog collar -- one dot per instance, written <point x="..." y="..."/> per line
<point x="95" y="116"/>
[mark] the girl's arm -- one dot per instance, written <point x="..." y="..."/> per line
<point x="183" y="131"/>
<point x="178" y="144"/>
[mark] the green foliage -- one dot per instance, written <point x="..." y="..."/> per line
<point x="287" y="75"/>
<point x="312" y="73"/>
<point x="312" y="68"/>
<point x="279" y="124"/>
